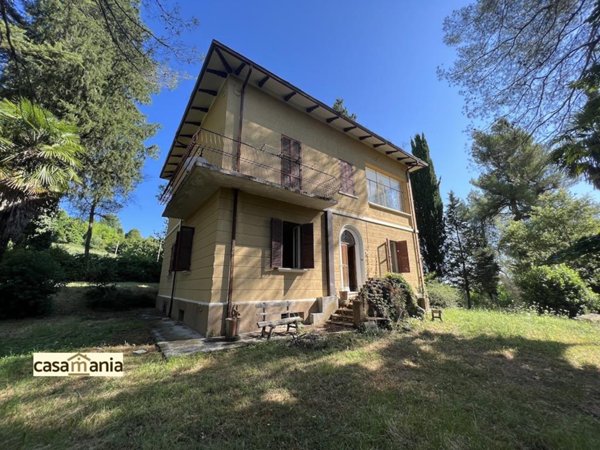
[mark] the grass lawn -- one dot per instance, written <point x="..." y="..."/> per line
<point x="478" y="380"/>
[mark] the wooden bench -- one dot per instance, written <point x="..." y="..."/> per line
<point x="289" y="318"/>
<point x="436" y="313"/>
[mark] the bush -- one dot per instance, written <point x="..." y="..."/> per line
<point x="28" y="279"/>
<point x="109" y="297"/>
<point x="106" y="269"/>
<point x="442" y="295"/>
<point x="558" y="289"/>
<point x="390" y="297"/>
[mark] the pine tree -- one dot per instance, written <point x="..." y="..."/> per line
<point x="514" y="172"/>
<point x="429" y="208"/>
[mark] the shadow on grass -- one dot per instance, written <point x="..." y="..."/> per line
<point x="423" y="390"/>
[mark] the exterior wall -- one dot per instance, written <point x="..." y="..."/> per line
<point x="195" y="285"/>
<point x="202" y="292"/>
<point x="267" y="118"/>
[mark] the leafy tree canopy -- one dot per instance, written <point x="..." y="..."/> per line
<point x="514" y="171"/>
<point x="522" y="58"/>
<point x="558" y="222"/>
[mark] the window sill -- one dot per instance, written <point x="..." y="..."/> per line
<point x="391" y="210"/>
<point x="348" y="195"/>
<point x="288" y="270"/>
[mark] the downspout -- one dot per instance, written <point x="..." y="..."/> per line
<point x="235" y="201"/>
<point x="416" y="239"/>
<point x="174" y="275"/>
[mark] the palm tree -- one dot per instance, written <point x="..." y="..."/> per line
<point x="39" y="155"/>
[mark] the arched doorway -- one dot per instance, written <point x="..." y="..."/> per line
<point x="351" y="260"/>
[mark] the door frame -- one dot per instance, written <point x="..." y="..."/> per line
<point x="359" y="255"/>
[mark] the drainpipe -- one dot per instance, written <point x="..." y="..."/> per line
<point x="174" y="275"/>
<point x="235" y="200"/>
<point x="241" y="121"/>
<point x="416" y="239"/>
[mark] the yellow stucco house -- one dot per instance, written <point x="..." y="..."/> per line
<point x="277" y="201"/>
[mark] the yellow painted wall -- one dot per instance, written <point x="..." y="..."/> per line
<point x="265" y="120"/>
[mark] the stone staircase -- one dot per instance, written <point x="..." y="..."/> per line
<point x="343" y="316"/>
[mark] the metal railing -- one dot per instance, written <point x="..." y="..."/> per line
<point x="264" y="165"/>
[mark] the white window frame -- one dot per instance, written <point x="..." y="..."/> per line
<point x="382" y="189"/>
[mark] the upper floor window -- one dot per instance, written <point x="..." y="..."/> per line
<point x="384" y="190"/>
<point x="347" y="177"/>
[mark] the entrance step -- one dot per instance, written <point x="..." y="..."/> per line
<point x="340" y="324"/>
<point x="342" y="318"/>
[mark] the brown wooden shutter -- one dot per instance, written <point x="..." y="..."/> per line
<point x="347" y="171"/>
<point x="183" y="248"/>
<point x="388" y="253"/>
<point x="307" y="246"/>
<point x="276" y="243"/>
<point x="296" y="165"/>
<point x="402" y="256"/>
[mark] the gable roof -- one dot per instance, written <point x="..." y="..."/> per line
<point x="221" y="61"/>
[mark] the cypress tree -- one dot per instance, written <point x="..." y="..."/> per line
<point x="429" y="208"/>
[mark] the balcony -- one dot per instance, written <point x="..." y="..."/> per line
<point x="213" y="161"/>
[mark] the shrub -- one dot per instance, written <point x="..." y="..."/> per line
<point x="390" y="297"/>
<point x="28" y="278"/>
<point x="109" y="297"/>
<point x="558" y="289"/>
<point x="442" y="295"/>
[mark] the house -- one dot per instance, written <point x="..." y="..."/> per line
<point x="275" y="199"/>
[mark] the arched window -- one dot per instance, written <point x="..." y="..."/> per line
<point x="348" y="238"/>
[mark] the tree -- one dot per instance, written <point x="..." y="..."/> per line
<point x="514" y="171"/>
<point x="429" y="208"/>
<point x="81" y="73"/>
<point x="133" y="234"/>
<point x="339" y="106"/>
<point x="459" y="261"/>
<point x="486" y="270"/>
<point x="39" y="158"/>
<point x="578" y="152"/>
<point x="557" y="223"/>
<point x="470" y="262"/>
<point x="522" y="58"/>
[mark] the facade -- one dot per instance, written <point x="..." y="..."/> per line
<point x="275" y="197"/>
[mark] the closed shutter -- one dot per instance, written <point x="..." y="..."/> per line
<point x="402" y="256"/>
<point x="183" y="249"/>
<point x="307" y="251"/>
<point x="276" y="243"/>
<point x="347" y="172"/>
<point x="296" y="165"/>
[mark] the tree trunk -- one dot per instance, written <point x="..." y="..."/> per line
<point x="88" y="234"/>
<point x="15" y="216"/>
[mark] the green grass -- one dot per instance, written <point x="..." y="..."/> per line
<point x="478" y="380"/>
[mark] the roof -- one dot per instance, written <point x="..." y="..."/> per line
<point x="221" y="62"/>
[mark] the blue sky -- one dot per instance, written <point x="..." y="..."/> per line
<point x="380" y="56"/>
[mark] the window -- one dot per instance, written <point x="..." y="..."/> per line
<point x="347" y="177"/>
<point x="291" y="168"/>
<point x="292" y="245"/>
<point x="383" y="190"/>
<point x="181" y="250"/>
<point x="399" y="256"/>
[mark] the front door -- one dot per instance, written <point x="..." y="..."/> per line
<point x="348" y="248"/>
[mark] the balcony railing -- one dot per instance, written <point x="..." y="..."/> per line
<point x="264" y="165"/>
